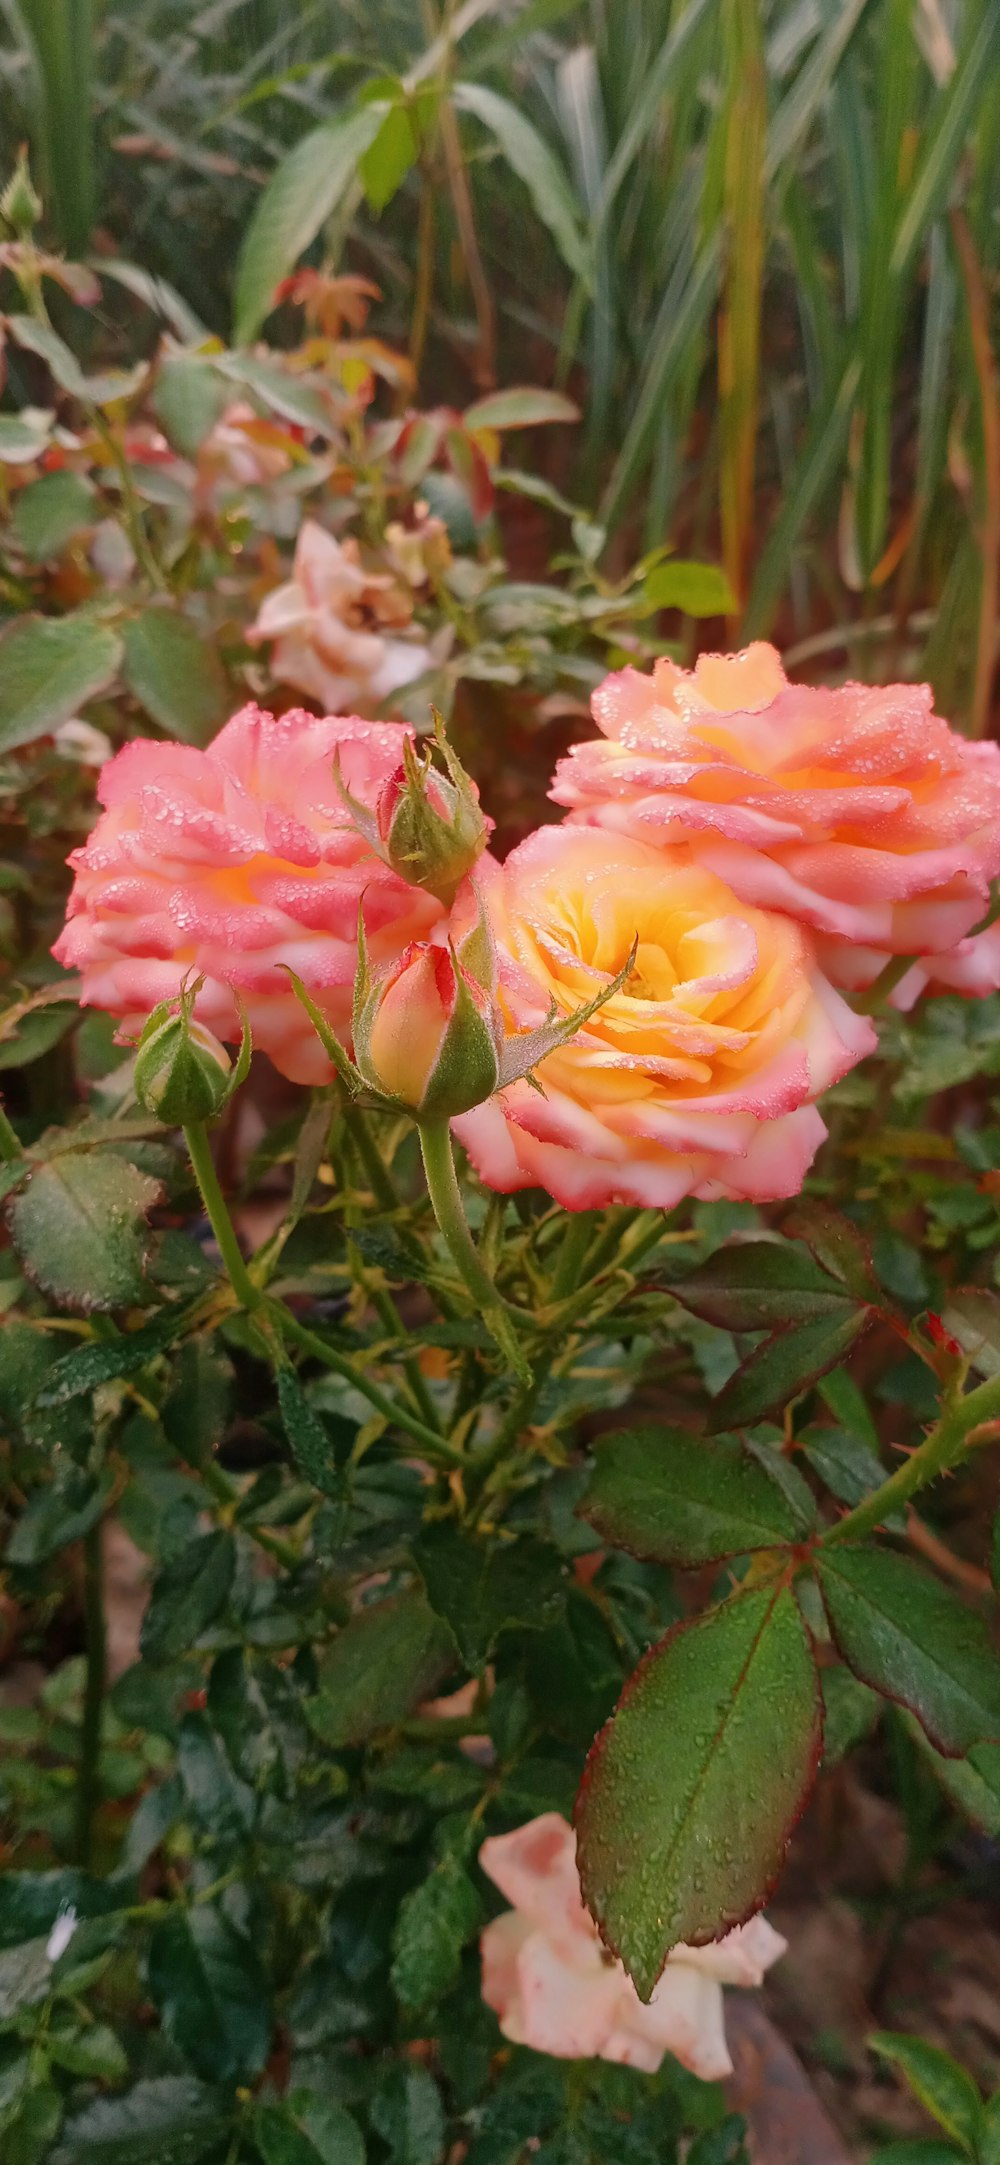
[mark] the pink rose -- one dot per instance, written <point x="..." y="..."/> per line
<point x="232" y="862"/>
<point x="553" y="1986"/>
<point x="858" y="811"/>
<point x="325" y="626"/>
<point x="698" y="1076"/>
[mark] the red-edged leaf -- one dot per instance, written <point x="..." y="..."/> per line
<point x="785" y="1365"/>
<point x="902" y="1632"/>
<point x="684" y="1499"/>
<point x="692" y="1788"/>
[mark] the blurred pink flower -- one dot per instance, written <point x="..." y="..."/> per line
<point x="857" y="811"/>
<point x="232" y="862"/>
<point x="325" y="626"/>
<point x="554" y="1987"/>
<point x="698" y="1077"/>
<point x="244" y="451"/>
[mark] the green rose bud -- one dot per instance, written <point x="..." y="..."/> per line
<point x="20" y="203"/>
<point x="182" y="1073"/>
<point x="427" y="826"/>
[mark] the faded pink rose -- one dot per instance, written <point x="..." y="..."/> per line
<point x="233" y="862"/>
<point x="698" y="1076"/>
<point x="326" y="626"/>
<point x="857" y="811"/>
<point x="553" y="1986"/>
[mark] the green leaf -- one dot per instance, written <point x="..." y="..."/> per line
<point x="23" y="437"/>
<point x="942" y="2086"/>
<point x="692" y="1788"/>
<point x="972" y="1315"/>
<point x="188" y="399"/>
<point x="849" y="1467"/>
<point x="49" y="668"/>
<point x="697" y="589"/>
<point x="28" y="2137"/>
<point x="784" y="1366"/>
<point x="103" y="1362"/>
<point x="529" y="156"/>
<point x="481" y="1588"/>
<point x="917" y="2150"/>
<point x="406" y="2111"/>
<point x="307" y="2129"/>
<point x="850" y="1712"/>
<point x="296" y="398"/>
<point x="838" y="1246"/>
<point x="50" y="512"/>
<point x="211" y="1993"/>
<point x="378" y="1667"/>
<point x="61" y="1512"/>
<point x="310" y="1444"/>
<point x="520" y="406"/>
<point x="176" y="675"/>
<point x="94" y="2052"/>
<point x="681" y="1499"/>
<point x="761" y="1285"/>
<point x="171" y="2120"/>
<point x="383" y="167"/>
<point x="989" y="2132"/>
<point x="435" y="1922"/>
<point x="300" y="196"/>
<point x="188" y="1595"/>
<point x="906" y="1636"/>
<point x="80" y="1230"/>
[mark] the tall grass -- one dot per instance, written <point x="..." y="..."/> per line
<point x="779" y="305"/>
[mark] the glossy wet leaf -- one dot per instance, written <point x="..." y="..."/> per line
<point x="482" y="1587"/>
<point x="380" y="1665"/>
<point x="307" y="2129"/>
<point x="692" y="1788"/>
<point x="211" y="1993"/>
<point x="903" y="1633"/>
<point x="80" y="1229"/>
<point x="187" y="1595"/>
<point x="436" y="1920"/>
<point x="170" y="2118"/>
<point x="682" y="1499"/>
<point x="785" y="1365"/>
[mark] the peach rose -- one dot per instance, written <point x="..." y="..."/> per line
<point x="858" y="811"/>
<point x="325" y="626"/>
<point x="547" y="1977"/>
<point x="232" y="862"/>
<point x="699" y="1075"/>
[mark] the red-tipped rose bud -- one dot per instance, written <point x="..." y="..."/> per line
<point x="425" y="1036"/>
<point x="427" y="826"/>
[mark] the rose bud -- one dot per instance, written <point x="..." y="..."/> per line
<point x="427" y="826"/>
<point x="182" y="1073"/>
<point x="424" y="1036"/>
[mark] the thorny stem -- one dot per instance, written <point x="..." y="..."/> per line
<point x="88" y="1778"/>
<point x="947" y="1443"/>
